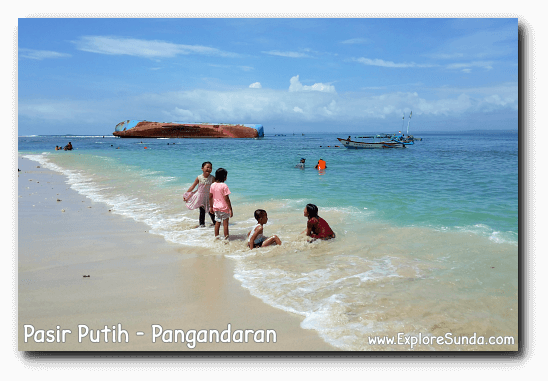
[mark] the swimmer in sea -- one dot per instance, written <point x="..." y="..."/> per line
<point x="321" y="164"/>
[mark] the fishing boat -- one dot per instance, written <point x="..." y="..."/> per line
<point x="381" y="141"/>
<point x="352" y="144"/>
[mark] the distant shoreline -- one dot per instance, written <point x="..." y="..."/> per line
<point x="109" y="135"/>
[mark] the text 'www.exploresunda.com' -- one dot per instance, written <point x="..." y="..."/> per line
<point x="447" y="339"/>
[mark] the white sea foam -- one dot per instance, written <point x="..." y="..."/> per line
<point x="357" y="285"/>
<point x="317" y="295"/>
<point x="133" y="207"/>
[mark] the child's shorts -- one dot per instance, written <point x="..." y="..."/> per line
<point x="221" y="216"/>
<point x="259" y="242"/>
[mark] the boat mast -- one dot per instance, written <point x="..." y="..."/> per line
<point x="409" y="122"/>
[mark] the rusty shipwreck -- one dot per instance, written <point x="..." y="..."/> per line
<point x="146" y="129"/>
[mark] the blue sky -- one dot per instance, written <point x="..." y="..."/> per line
<point x="83" y="76"/>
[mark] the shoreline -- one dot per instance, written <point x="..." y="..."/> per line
<point x="136" y="279"/>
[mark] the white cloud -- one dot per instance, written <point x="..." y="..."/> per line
<point x="256" y="85"/>
<point x="331" y="109"/>
<point x="246" y="105"/>
<point x="185" y="116"/>
<point x="296" y="85"/>
<point x="355" y="41"/>
<point x="270" y="106"/>
<point x="482" y="64"/>
<point x="508" y="90"/>
<point x="444" y="56"/>
<point x="244" y="68"/>
<point x="496" y="101"/>
<point x="143" y="48"/>
<point x="58" y="110"/>
<point x="41" y="54"/>
<point x="379" y="62"/>
<point x="288" y="54"/>
<point x="480" y="44"/>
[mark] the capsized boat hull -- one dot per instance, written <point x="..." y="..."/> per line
<point x="146" y="129"/>
<point x="370" y="145"/>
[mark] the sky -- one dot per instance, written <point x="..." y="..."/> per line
<point x="83" y="76"/>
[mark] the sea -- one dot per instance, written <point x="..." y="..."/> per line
<point x="426" y="240"/>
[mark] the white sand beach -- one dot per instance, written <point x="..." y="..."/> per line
<point x="136" y="280"/>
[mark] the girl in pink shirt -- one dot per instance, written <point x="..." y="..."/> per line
<point x="219" y="202"/>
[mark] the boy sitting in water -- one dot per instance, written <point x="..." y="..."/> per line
<point x="256" y="237"/>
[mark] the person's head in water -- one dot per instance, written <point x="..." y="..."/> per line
<point x="261" y="216"/>
<point x="311" y="211"/>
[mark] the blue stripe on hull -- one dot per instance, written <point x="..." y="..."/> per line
<point x="126" y="125"/>
<point x="258" y="127"/>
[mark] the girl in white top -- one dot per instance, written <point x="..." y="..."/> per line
<point x="256" y="237"/>
<point x="200" y="198"/>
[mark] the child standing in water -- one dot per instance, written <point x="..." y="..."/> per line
<point x="219" y="202"/>
<point x="256" y="237"/>
<point x="317" y="227"/>
<point x="200" y="199"/>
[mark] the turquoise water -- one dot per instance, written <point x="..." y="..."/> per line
<point x="426" y="236"/>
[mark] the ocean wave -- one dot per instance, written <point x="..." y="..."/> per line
<point x="492" y="234"/>
<point x="322" y="296"/>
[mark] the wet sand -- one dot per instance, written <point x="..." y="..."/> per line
<point x="136" y="280"/>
